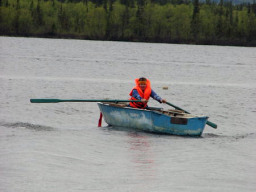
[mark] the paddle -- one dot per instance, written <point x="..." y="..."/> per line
<point x="213" y="125"/>
<point x="77" y="100"/>
<point x="100" y="120"/>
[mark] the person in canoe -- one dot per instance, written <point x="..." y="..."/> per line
<point x="142" y="91"/>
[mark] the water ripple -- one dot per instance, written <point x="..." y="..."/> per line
<point x="28" y="126"/>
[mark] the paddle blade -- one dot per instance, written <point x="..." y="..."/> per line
<point x="213" y="125"/>
<point x="44" y="100"/>
<point x="100" y="120"/>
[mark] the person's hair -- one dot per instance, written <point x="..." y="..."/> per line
<point x="142" y="79"/>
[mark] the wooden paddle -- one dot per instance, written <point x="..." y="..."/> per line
<point x="213" y="125"/>
<point x="77" y="100"/>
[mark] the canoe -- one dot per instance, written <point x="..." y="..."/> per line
<point x="173" y="122"/>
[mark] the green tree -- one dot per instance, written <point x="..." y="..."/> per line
<point x="139" y="25"/>
<point x="96" y="24"/>
<point x="63" y="19"/>
<point x="7" y="17"/>
<point x="195" y="24"/>
<point x="25" y="22"/>
<point x="208" y="23"/>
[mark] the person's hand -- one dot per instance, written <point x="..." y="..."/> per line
<point x="163" y="101"/>
<point x="144" y="100"/>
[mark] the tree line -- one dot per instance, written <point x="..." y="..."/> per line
<point x="168" y="21"/>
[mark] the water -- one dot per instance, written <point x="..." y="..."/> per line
<point x="58" y="147"/>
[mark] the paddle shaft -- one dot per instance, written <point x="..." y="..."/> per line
<point x="77" y="100"/>
<point x="213" y="125"/>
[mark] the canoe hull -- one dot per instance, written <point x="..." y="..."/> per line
<point x="152" y="121"/>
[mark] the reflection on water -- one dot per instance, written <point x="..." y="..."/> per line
<point x="142" y="158"/>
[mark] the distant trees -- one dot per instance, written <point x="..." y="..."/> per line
<point x="195" y="23"/>
<point x="179" y="21"/>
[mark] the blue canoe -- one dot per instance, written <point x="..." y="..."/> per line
<point x="156" y="120"/>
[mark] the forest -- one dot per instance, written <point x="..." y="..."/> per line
<point x="165" y="21"/>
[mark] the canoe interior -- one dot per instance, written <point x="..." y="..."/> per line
<point x="169" y="112"/>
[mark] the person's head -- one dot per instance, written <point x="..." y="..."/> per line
<point x="142" y="83"/>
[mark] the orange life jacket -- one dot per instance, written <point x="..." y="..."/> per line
<point x="144" y="95"/>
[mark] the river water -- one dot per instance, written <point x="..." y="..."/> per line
<point x="58" y="147"/>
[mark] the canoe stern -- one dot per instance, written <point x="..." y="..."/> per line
<point x="192" y="126"/>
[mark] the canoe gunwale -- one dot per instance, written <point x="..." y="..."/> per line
<point x="160" y="111"/>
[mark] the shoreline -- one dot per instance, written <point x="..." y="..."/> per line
<point x="235" y="43"/>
